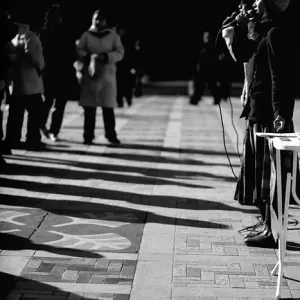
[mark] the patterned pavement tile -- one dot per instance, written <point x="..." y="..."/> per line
<point x="69" y="270"/>
<point x="224" y="275"/>
<point x="19" y="223"/>
<point x="221" y="245"/>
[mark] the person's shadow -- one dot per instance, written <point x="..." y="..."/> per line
<point x="14" y="285"/>
<point x="15" y="243"/>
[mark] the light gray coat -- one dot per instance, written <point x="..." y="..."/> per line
<point x="100" y="88"/>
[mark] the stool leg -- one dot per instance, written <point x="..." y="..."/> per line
<point x="275" y="269"/>
<point x="282" y="235"/>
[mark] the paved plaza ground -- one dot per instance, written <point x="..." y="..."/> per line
<point x="153" y="219"/>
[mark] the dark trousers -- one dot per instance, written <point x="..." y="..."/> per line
<point x="199" y="86"/>
<point x="57" y="115"/>
<point x="108" y="115"/>
<point x="18" y="104"/>
<point x="125" y="86"/>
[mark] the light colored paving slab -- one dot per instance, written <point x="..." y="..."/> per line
<point x="157" y="244"/>
<point x="17" y="253"/>
<point x="13" y="264"/>
<point x="152" y="281"/>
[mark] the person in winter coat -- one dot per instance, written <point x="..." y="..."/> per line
<point x="99" y="49"/>
<point x="27" y="87"/>
<point x="6" y="36"/>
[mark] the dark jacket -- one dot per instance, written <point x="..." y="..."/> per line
<point x="6" y="36"/>
<point x="272" y="90"/>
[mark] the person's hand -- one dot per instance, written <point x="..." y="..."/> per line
<point x="279" y="123"/>
<point x="242" y="19"/>
<point x="102" y="57"/>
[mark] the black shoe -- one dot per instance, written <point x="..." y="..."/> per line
<point x="37" y="146"/>
<point x="254" y="233"/>
<point x="114" y="141"/>
<point x="45" y="132"/>
<point x="88" y="142"/>
<point x="5" y="149"/>
<point x="254" y="230"/>
<point x="264" y="239"/>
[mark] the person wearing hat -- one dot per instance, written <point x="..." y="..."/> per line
<point x="99" y="49"/>
<point x="269" y="106"/>
<point x="26" y="53"/>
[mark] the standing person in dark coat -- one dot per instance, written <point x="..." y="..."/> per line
<point x="206" y="71"/>
<point x="126" y="69"/>
<point x="5" y="38"/>
<point x="56" y="45"/>
<point x="26" y="53"/>
<point x="269" y="106"/>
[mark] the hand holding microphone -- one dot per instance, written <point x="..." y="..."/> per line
<point x="240" y="18"/>
<point x="279" y="123"/>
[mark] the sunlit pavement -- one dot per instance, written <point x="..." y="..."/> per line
<point x="152" y="219"/>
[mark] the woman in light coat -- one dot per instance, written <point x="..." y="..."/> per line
<point x="99" y="48"/>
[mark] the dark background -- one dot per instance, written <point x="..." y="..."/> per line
<point x="170" y="33"/>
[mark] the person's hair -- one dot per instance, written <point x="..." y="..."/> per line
<point x="247" y="3"/>
<point x="100" y="13"/>
<point x="51" y="15"/>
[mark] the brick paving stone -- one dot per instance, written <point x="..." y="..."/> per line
<point x="78" y="296"/>
<point x="236" y="282"/>
<point x="33" y="263"/>
<point x="122" y="297"/>
<point x="58" y="271"/>
<point x="115" y="267"/>
<point x="192" y="243"/>
<point x="45" y="268"/>
<point x="179" y="270"/>
<point x="207" y="276"/>
<point x="128" y="271"/>
<point x="261" y="270"/>
<point x="97" y="279"/>
<point x="193" y="272"/>
<point x="102" y="263"/>
<point x="70" y="275"/>
<point x="222" y="280"/>
<point x="91" y="295"/>
<point x="90" y="261"/>
<point x="83" y="277"/>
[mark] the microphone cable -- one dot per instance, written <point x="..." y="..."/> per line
<point x="224" y="138"/>
<point x="235" y="130"/>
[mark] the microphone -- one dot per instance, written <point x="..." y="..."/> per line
<point x="232" y="20"/>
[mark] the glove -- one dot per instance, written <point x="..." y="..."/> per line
<point x="102" y="57"/>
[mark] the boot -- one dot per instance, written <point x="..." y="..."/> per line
<point x="264" y="239"/>
<point x="256" y="231"/>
